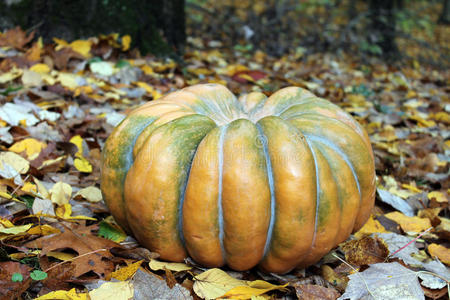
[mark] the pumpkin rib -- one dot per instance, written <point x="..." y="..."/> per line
<point x="312" y="99"/>
<point x="359" y="152"/>
<point x="152" y="206"/>
<point x="245" y="196"/>
<point x="223" y="131"/>
<point x="109" y="175"/>
<point x="316" y="167"/>
<point x="328" y="213"/>
<point x="250" y="101"/>
<point x="201" y="230"/>
<point x="352" y="124"/>
<point x="342" y="155"/>
<point x="293" y="172"/>
<point x="163" y="119"/>
<point x="340" y="167"/>
<point x="271" y="188"/>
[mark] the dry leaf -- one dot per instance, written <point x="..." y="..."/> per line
<point x="127" y="272"/>
<point x="409" y="224"/>
<point x="156" y="265"/>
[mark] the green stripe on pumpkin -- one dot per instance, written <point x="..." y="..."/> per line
<point x="116" y="161"/>
<point x="155" y="184"/>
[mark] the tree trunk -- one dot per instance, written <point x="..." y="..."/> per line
<point x="155" y="26"/>
<point x="444" y="18"/>
<point x="382" y="25"/>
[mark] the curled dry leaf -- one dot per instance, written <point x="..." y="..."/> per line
<point x="365" y="251"/>
<point x="315" y="292"/>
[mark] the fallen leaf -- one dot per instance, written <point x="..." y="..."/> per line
<point x="64" y="295"/>
<point x="156" y="265"/>
<point x="409" y="224"/>
<point x="14" y="114"/>
<point x="396" y="202"/>
<point x="93" y="253"/>
<point x="216" y="283"/>
<point x="371" y="226"/>
<point x="61" y="193"/>
<point x="315" y="292"/>
<point x="365" y="251"/>
<point x="110" y="230"/>
<point x="31" y="147"/>
<point x="127" y="272"/>
<point x="90" y="193"/>
<point x="15" y="229"/>
<point x="388" y="281"/>
<point x="122" y="290"/>
<point x="148" y="286"/>
<point x="441" y="252"/>
<point x="10" y="289"/>
<point x="20" y="164"/>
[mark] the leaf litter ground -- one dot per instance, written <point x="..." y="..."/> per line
<point x="60" y="101"/>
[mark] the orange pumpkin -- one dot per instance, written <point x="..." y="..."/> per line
<point x="272" y="182"/>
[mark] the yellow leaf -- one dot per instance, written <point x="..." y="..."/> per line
<point x="82" y="47"/>
<point x="90" y="193"/>
<point x="20" y="164"/>
<point x="5" y="223"/>
<point x="64" y="211"/>
<point x="16" y="229"/>
<point x="442" y="116"/>
<point x="30" y="146"/>
<point x="40" y="68"/>
<point x="64" y="295"/>
<point x="206" y="71"/>
<point x="441" y="252"/>
<point x="122" y="290"/>
<point x="254" y="288"/>
<point x="82" y="165"/>
<point x="412" y="188"/>
<point x="10" y="76"/>
<point x="422" y="122"/>
<point x="9" y="197"/>
<point x="60" y="43"/>
<point x="28" y="187"/>
<point x="41" y="189"/>
<point x="156" y="265"/>
<point x="68" y="80"/>
<point x="43" y="230"/>
<point x="77" y="140"/>
<point x="216" y="283"/>
<point x="126" y="41"/>
<point x="61" y="255"/>
<point x="61" y="193"/>
<point x="127" y="272"/>
<point x="409" y="224"/>
<point x="147" y="70"/>
<point x="372" y="226"/>
<point x="439" y="196"/>
<point x="149" y="89"/>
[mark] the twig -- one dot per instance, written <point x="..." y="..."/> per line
<point x="412" y="241"/>
<point x="72" y="259"/>
<point x="357" y="272"/>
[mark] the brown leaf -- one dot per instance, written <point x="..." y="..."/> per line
<point x="93" y="251"/>
<point x="338" y="280"/>
<point x="8" y="288"/>
<point x="59" y="276"/>
<point x="16" y="38"/>
<point x="315" y="292"/>
<point x="365" y="251"/>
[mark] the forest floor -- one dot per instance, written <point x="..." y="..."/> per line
<point x="60" y="101"/>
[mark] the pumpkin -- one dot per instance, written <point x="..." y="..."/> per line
<point x="274" y="182"/>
